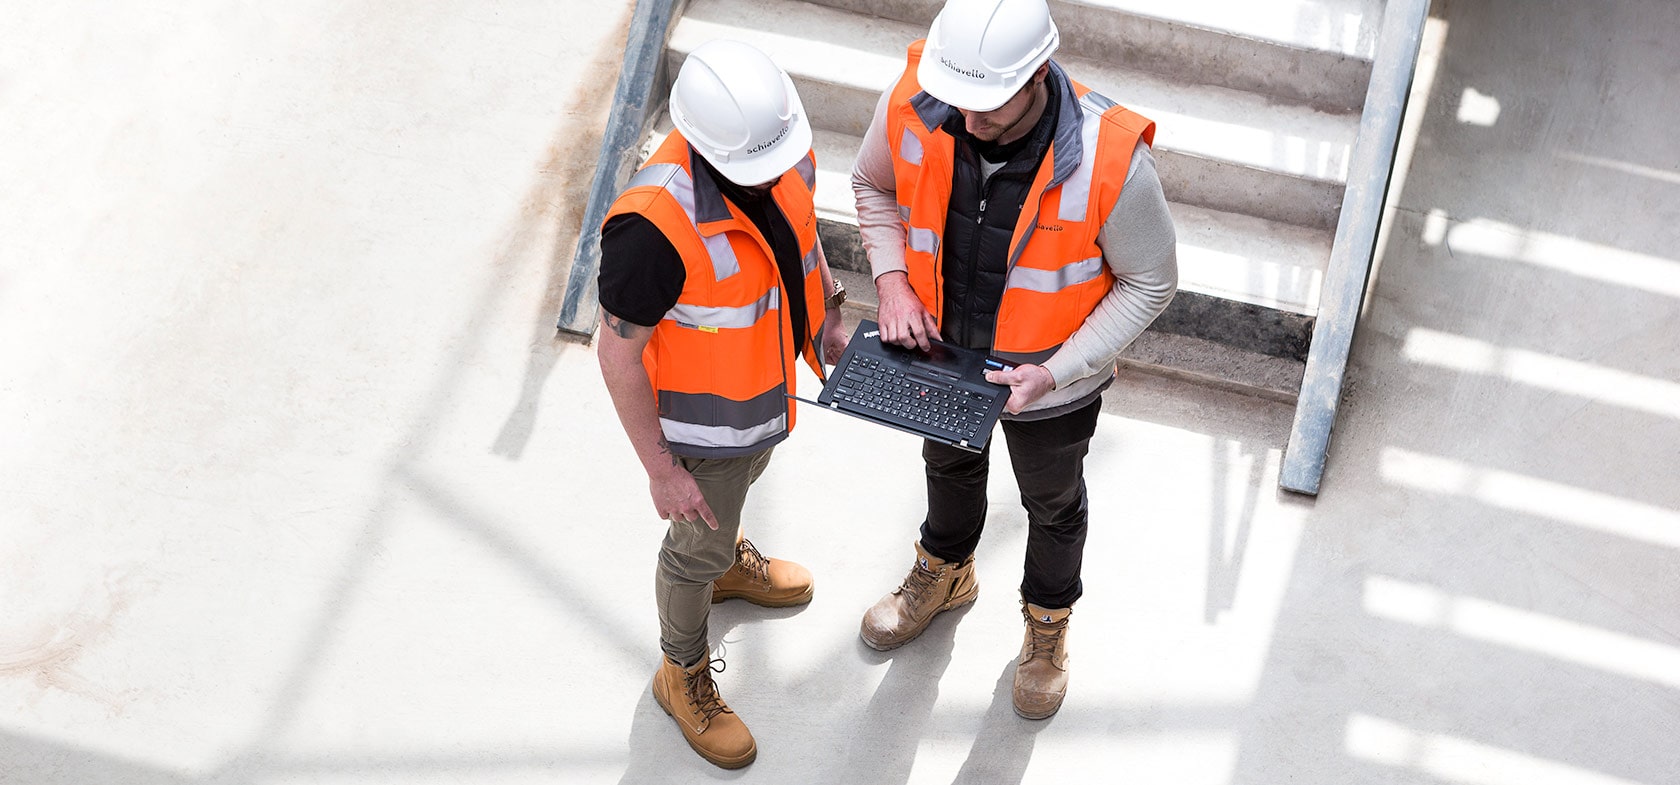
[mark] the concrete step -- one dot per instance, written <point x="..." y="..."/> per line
<point x="1215" y="147"/>
<point x="1312" y="51"/>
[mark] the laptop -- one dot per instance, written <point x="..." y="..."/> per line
<point x="941" y="394"/>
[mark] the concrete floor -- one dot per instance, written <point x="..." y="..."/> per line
<point x="297" y="486"/>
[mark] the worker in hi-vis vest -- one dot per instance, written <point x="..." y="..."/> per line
<point x="1008" y="208"/>
<point x="713" y="286"/>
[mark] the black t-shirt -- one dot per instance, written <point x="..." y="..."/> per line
<point x="642" y="274"/>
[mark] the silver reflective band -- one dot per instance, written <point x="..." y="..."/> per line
<point x="923" y="240"/>
<point x="910" y="148"/>
<point x="654" y="174"/>
<point x="680" y="186"/>
<point x="1051" y="281"/>
<point x="1076" y="191"/>
<point x="811" y="259"/>
<point x="724" y="263"/>
<point x="904" y="213"/>
<point x="721" y="435"/>
<point x="807" y="171"/>
<point x="738" y="317"/>
<point x="1096" y="102"/>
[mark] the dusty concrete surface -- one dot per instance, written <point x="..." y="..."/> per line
<point x="296" y="486"/>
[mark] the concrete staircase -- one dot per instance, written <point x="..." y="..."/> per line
<point x="1256" y="103"/>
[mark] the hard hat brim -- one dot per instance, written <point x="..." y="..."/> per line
<point x="961" y="93"/>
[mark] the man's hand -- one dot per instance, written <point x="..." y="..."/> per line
<point x="1027" y="383"/>
<point x="677" y="498"/>
<point x="903" y="318"/>
<point x="834" y="337"/>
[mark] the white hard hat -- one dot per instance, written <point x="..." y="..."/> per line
<point x="980" y="52"/>
<point x="740" y="111"/>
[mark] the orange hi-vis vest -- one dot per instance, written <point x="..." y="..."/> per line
<point x="1056" y="274"/>
<point x="722" y="359"/>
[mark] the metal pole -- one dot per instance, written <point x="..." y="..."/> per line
<point x="633" y="104"/>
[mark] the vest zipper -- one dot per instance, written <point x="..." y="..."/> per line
<point x="974" y="263"/>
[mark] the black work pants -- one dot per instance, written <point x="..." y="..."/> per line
<point x="1049" y="460"/>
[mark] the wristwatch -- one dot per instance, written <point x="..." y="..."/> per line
<point x="839" y="296"/>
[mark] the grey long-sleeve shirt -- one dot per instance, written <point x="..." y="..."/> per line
<point x="1138" y="244"/>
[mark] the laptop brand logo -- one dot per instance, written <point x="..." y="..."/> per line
<point x="872" y="333"/>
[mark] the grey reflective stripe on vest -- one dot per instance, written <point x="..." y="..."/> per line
<point x="810" y="259"/>
<point x="718" y="410"/>
<point x="721" y="436"/>
<point x="680" y="186"/>
<point x="655" y="175"/>
<point x="1076" y="190"/>
<point x="739" y="317"/>
<point x="714" y="421"/>
<point x="1097" y="102"/>
<point x="917" y="238"/>
<point x="910" y="148"/>
<point x="924" y="240"/>
<point x="807" y="170"/>
<point x="1052" y="281"/>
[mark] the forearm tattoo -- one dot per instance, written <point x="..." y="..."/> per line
<point x="665" y="447"/>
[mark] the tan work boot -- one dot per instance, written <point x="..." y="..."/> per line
<point x="932" y="587"/>
<point x="761" y="580"/>
<point x="1041" y="675"/>
<point x="690" y="696"/>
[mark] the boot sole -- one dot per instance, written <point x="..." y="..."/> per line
<point x="916" y="632"/>
<point x="716" y="760"/>
<point x="761" y="601"/>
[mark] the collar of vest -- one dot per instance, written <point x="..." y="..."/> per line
<point x="1067" y="146"/>
<point x="711" y="211"/>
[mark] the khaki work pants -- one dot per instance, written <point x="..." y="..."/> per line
<point x="692" y="555"/>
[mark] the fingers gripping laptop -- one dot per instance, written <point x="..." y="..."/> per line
<point x="941" y="394"/>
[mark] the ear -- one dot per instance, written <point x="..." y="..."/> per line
<point x="1042" y="73"/>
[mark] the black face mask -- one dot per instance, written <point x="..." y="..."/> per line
<point x="739" y="194"/>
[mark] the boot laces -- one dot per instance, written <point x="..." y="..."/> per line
<point x="702" y="691"/>
<point x="920" y="582"/>
<point x="753" y="562"/>
<point x="1044" y="638"/>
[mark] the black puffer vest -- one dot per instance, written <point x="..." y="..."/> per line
<point x="979" y="226"/>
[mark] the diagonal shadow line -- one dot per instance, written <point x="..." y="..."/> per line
<point x="542" y="356"/>
<point x="551" y="759"/>
<point x="548" y="191"/>
<point x="476" y="522"/>
<point x="1004" y="745"/>
<point x="239" y="768"/>
<point x="1224" y="572"/>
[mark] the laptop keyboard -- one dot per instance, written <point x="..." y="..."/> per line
<point x="881" y="388"/>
